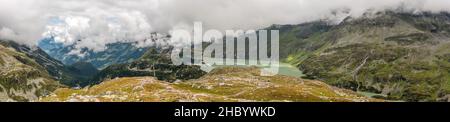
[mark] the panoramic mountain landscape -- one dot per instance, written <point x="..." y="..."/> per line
<point x="341" y="54"/>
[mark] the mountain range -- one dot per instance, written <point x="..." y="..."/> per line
<point x="394" y="55"/>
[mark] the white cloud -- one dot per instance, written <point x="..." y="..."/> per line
<point x="100" y="22"/>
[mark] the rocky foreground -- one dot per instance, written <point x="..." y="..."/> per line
<point x="222" y="85"/>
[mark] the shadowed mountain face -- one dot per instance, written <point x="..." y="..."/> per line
<point x="404" y="56"/>
<point x="116" y="53"/>
<point x="155" y="62"/>
<point x="399" y="56"/>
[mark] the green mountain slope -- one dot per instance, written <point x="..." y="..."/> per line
<point x="221" y="85"/>
<point x="404" y="56"/>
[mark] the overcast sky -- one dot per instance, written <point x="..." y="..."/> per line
<point x="99" y="22"/>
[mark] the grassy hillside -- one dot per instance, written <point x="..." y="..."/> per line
<point x="21" y="78"/>
<point x="221" y="85"/>
<point x="156" y="62"/>
<point x="73" y="75"/>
